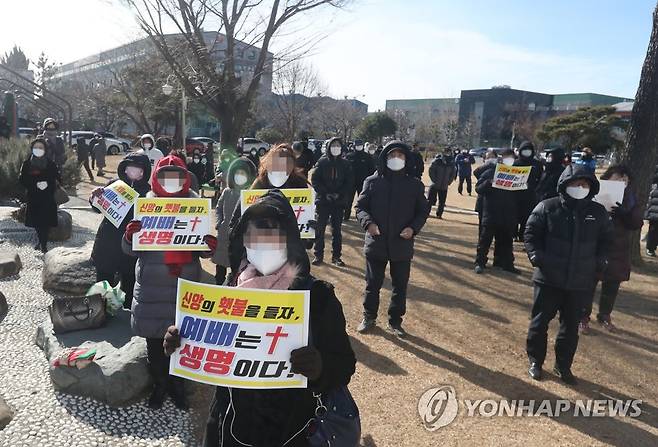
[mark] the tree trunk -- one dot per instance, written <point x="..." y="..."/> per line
<point x="642" y="138"/>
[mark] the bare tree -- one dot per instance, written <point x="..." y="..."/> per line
<point x="294" y="85"/>
<point x="192" y="53"/>
<point x="642" y="138"/>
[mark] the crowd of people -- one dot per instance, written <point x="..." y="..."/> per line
<point x="572" y="242"/>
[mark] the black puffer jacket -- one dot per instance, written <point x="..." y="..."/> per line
<point x="547" y="186"/>
<point x="332" y="180"/>
<point x="270" y="417"/>
<point x="567" y="240"/>
<point x="651" y="213"/>
<point x="363" y="165"/>
<point x="107" y="252"/>
<point x="529" y="195"/>
<point x="498" y="206"/>
<point x="442" y="171"/>
<point x="393" y="201"/>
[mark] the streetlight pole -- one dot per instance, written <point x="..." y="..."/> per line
<point x="168" y="89"/>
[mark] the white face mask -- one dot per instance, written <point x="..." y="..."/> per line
<point x="267" y="261"/>
<point x="577" y="192"/>
<point x="359" y="148"/>
<point x="196" y="160"/>
<point x="204" y="161"/>
<point x="240" y="179"/>
<point x="336" y="150"/>
<point x="134" y="173"/>
<point x="37" y="152"/>
<point x="526" y="153"/>
<point x="395" y="163"/>
<point x="549" y="159"/>
<point x="508" y="161"/>
<point x="277" y="178"/>
<point x="172" y="185"/>
<point x="493" y="161"/>
<point x="147" y="146"/>
<point x="372" y="151"/>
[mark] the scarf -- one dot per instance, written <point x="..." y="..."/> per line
<point x="250" y="278"/>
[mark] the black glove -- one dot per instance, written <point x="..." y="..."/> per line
<point x="619" y="210"/>
<point x="536" y="260"/>
<point x="601" y="265"/>
<point x="171" y="340"/>
<point x="306" y="361"/>
<point x="312" y="224"/>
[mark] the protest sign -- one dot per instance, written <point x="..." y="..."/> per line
<point x="511" y="178"/>
<point x="610" y="192"/>
<point x="302" y="201"/>
<point x="240" y="338"/>
<point x="115" y="202"/>
<point x="172" y="224"/>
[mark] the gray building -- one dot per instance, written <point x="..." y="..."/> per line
<point x="96" y="71"/>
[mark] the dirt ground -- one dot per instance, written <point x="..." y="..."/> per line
<point x="468" y="331"/>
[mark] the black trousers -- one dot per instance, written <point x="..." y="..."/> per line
<point x="124" y="271"/>
<point x="85" y="163"/>
<point x="609" y="292"/>
<point x="356" y="190"/>
<point x="334" y="215"/>
<point x="158" y="362"/>
<point x="375" y="270"/>
<point x="469" y="183"/>
<point x="548" y="301"/>
<point x="442" y="195"/>
<point x="42" y="236"/>
<point x="504" y="248"/>
<point x="652" y="236"/>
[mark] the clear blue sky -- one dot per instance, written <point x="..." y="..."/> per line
<point x="390" y="49"/>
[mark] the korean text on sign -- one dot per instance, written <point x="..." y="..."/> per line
<point x="172" y="224"/>
<point x="115" y="202"/>
<point x="240" y="338"/>
<point x="511" y="178"/>
<point x="302" y="201"/>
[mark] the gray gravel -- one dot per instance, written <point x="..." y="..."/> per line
<point x="47" y="418"/>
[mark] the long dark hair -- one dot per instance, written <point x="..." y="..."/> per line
<point x="280" y="150"/>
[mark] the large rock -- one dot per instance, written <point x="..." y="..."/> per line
<point x="3" y="306"/>
<point x="68" y="271"/>
<point x="118" y="376"/>
<point x="6" y="414"/>
<point x="62" y="232"/>
<point x="10" y="264"/>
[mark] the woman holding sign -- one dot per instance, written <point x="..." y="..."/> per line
<point x="626" y="219"/>
<point x="107" y="256"/>
<point x="39" y="175"/>
<point x="157" y="273"/>
<point x="266" y="252"/>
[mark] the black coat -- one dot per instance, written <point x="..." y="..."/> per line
<point x="82" y="149"/>
<point x="41" y="206"/>
<point x="332" y="175"/>
<point x="536" y="172"/>
<point x="107" y="253"/>
<point x="363" y="165"/>
<point x="305" y="161"/>
<point x="499" y="207"/>
<point x="547" y="186"/>
<point x="199" y="170"/>
<point x="567" y="240"/>
<point x="393" y="201"/>
<point x="477" y="173"/>
<point x="651" y="213"/>
<point x="625" y="221"/>
<point x="417" y="165"/>
<point x="442" y="172"/>
<point x="270" y="417"/>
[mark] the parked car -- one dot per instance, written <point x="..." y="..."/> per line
<point x="206" y="141"/>
<point x="114" y="146"/>
<point x="575" y="156"/>
<point x="124" y="141"/>
<point x="246" y="144"/>
<point x="28" y="133"/>
<point x="478" y="151"/>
